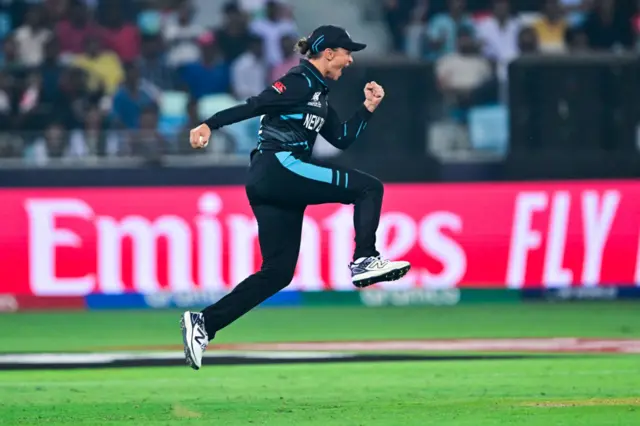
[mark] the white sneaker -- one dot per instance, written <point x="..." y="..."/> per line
<point x="194" y="337"/>
<point x="367" y="271"/>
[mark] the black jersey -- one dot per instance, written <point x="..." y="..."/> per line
<point x="294" y="110"/>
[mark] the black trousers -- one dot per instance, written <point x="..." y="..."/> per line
<point x="279" y="189"/>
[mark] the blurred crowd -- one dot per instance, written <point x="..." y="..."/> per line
<point x="86" y="79"/>
<point x="91" y="78"/>
<point x="472" y="42"/>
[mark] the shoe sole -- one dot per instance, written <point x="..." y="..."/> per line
<point x="394" y="275"/>
<point x="188" y="355"/>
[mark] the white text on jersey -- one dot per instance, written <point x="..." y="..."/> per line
<point x="313" y="122"/>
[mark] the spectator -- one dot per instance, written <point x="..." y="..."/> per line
<point x="51" y="71"/>
<point x="147" y="142"/>
<point x="182" y="36"/>
<point x="498" y="34"/>
<point x="119" y="36"/>
<point x="290" y="57"/>
<point x="551" y="28"/>
<point x="397" y="13"/>
<point x="93" y="139"/>
<point x="73" y="32"/>
<point x="153" y="65"/>
<point x="103" y="67"/>
<point x="10" y="61"/>
<point x="210" y="75"/>
<point x="132" y="98"/>
<point x="415" y="30"/>
<point x="249" y="72"/>
<point x="463" y="73"/>
<point x="444" y="27"/>
<point x="272" y="28"/>
<point x="7" y="104"/>
<point x="32" y="36"/>
<point x="73" y="100"/>
<point x="234" y="36"/>
<point x="577" y="40"/>
<point x="54" y="144"/>
<point x="528" y="41"/>
<point x="609" y="27"/>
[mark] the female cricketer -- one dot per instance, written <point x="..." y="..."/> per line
<point x="283" y="180"/>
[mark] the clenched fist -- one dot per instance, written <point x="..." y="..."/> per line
<point x="199" y="136"/>
<point x="373" y="94"/>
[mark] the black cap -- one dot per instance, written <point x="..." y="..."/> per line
<point x="332" y="37"/>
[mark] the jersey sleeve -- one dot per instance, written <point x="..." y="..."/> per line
<point x="287" y="92"/>
<point x="341" y="134"/>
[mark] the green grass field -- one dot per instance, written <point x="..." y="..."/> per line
<point x="593" y="389"/>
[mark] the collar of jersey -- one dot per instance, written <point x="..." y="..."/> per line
<point x="316" y="73"/>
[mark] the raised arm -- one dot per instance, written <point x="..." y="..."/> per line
<point x="342" y="134"/>
<point x="284" y="93"/>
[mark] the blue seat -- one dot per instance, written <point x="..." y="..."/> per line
<point x="170" y="126"/>
<point x="172" y="113"/>
<point x="173" y="104"/>
<point x="211" y="104"/>
<point x="489" y="128"/>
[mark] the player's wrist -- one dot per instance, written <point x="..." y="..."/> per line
<point x="370" y="106"/>
<point x="211" y="123"/>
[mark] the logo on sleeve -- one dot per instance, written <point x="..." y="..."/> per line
<point x="279" y="87"/>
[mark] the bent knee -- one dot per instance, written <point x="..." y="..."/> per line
<point x="278" y="276"/>
<point x="374" y="186"/>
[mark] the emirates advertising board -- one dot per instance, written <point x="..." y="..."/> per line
<point x="76" y="242"/>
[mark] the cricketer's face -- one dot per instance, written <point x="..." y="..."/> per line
<point x="338" y="60"/>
